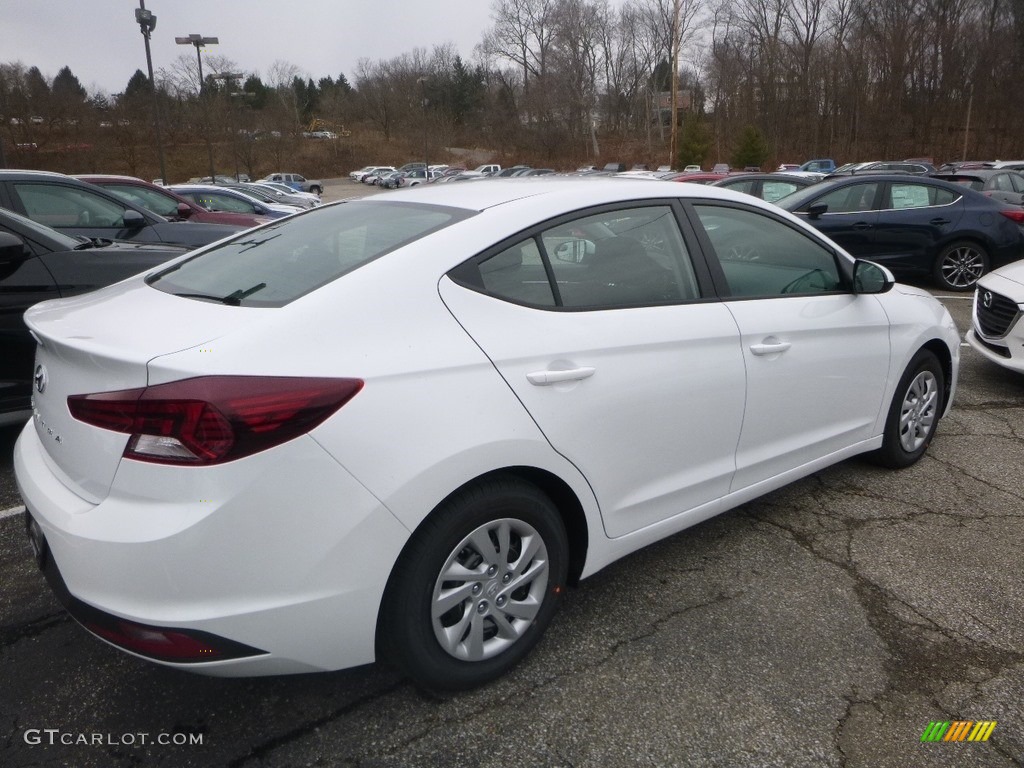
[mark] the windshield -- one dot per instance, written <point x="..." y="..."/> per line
<point x="276" y="264"/>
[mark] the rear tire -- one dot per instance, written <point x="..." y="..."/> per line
<point x="914" y="413"/>
<point x="959" y="266"/>
<point x="476" y="586"/>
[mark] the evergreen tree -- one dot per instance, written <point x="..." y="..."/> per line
<point x="752" y="149"/>
<point x="260" y="93"/>
<point x="138" y="86"/>
<point x="694" y="141"/>
<point x="67" y="87"/>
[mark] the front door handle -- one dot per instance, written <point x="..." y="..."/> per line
<point x="772" y="348"/>
<point x="861" y="225"/>
<point x="543" y="378"/>
<point x="938" y="222"/>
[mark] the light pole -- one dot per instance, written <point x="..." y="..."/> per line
<point x="199" y="41"/>
<point x="423" y="95"/>
<point x="147" y="23"/>
<point x="229" y="78"/>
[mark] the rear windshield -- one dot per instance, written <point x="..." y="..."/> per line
<point x="966" y="181"/>
<point x="276" y="264"/>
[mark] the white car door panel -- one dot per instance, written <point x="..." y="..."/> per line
<point x="668" y="411"/>
<point x="816" y="370"/>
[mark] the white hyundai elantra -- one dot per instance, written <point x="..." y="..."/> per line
<point x="398" y="427"/>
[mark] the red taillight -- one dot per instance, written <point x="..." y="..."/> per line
<point x="213" y="419"/>
<point x="1017" y="216"/>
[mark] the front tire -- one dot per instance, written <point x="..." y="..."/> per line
<point x="960" y="266"/>
<point x="914" y="413"/>
<point x="476" y="586"/>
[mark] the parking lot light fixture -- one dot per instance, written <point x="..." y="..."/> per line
<point x="199" y="41"/>
<point x="147" y="23"/>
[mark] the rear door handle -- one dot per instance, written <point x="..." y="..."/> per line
<point x="544" y="378"/>
<point x="861" y="225"/>
<point x="770" y="349"/>
<point x="938" y="222"/>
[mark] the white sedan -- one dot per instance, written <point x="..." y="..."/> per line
<point x="996" y="330"/>
<point x="399" y="427"/>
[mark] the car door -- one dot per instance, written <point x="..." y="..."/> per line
<point x="816" y="354"/>
<point x="915" y="218"/>
<point x="600" y="326"/>
<point x="850" y="216"/>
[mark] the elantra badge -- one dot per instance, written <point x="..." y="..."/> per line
<point x="40" y="378"/>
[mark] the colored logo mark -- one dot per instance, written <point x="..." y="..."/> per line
<point x="959" y="730"/>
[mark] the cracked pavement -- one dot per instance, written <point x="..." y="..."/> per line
<point x="825" y="624"/>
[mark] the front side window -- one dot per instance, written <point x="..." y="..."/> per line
<point x="278" y="263"/>
<point x="58" y="206"/>
<point x="763" y="257"/>
<point x="853" y="198"/>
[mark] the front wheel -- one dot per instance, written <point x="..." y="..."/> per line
<point x="315" y="190"/>
<point x="960" y="266"/>
<point x="914" y="413"/>
<point x="476" y="587"/>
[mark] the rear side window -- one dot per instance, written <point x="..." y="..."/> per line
<point x="626" y="257"/>
<point x="918" y="196"/>
<point x="278" y="263"/>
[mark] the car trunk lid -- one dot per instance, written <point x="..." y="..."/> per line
<point x="103" y="342"/>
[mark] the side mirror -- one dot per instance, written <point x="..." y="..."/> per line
<point x="817" y="210"/>
<point x="184" y="211"/>
<point x="574" y="251"/>
<point x="869" y="277"/>
<point x="12" y="249"/>
<point x="133" y="219"/>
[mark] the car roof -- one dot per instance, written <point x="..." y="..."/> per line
<point x="28" y="174"/>
<point x="489" y="193"/>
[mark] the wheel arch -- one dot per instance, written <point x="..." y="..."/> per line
<point x="562" y="496"/>
<point x="939" y="348"/>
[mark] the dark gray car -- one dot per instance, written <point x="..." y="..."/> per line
<point x="76" y="207"/>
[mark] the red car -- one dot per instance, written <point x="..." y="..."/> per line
<point x="166" y="203"/>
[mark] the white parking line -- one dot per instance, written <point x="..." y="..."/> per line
<point x="11" y="512"/>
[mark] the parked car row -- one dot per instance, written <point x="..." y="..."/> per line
<point x="61" y="236"/>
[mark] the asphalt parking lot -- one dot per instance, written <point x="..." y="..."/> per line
<point x="826" y="624"/>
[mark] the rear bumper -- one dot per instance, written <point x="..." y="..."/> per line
<point x="287" y="555"/>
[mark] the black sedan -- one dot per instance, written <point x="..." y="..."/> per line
<point x="915" y="225"/>
<point x="770" y="187"/>
<point x="38" y="263"/>
<point x="1006" y="186"/>
<point x="76" y="207"/>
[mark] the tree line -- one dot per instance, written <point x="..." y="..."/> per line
<point x="560" y="82"/>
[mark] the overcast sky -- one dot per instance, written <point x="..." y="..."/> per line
<point x="102" y="44"/>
